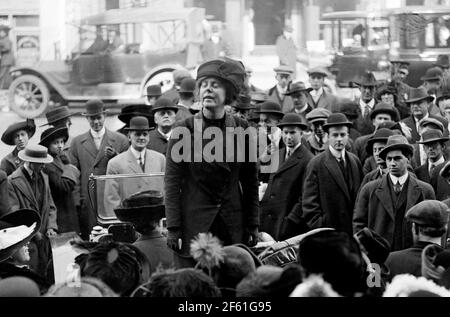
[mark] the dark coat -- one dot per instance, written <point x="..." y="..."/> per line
<point x="199" y="192"/>
<point x="4" y="203"/>
<point x="422" y="173"/>
<point x="182" y="113"/>
<point x="154" y="246"/>
<point x="284" y="191"/>
<point x="371" y="176"/>
<point x="11" y="162"/>
<point x="439" y="184"/>
<point x="158" y="142"/>
<point x="62" y="189"/>
<point x="360" y="147"/>
<point x="369" y="165"/>
<point x="412" y="125"/>
<point x="11" y="270"/>
<point x="327" y="201"/>
<point x="373" y="208"/>
<point x="363" y="124"/>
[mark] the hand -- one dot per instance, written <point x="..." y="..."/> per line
<point x="64" y="158"/>
<point x="50" y="233"/>
<point x="110" y="152"/>
<point x="174" y="241"/>
<point x="251" y="236"/>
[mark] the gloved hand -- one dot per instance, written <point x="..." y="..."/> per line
<point x="174" y="239"/>
<point x="251" y="236"/>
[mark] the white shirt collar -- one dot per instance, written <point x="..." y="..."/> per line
<point x="440" y="161"/>
<point x="281" y="91"/>
<point x="301" y="110"/>
<point x="337" y="154"/>
<point x="402" y="179"/>
<point x="363" y="105"/>
<point x="98" y="134"/>
<point x="294" y="149"/>
<point x="137" y="154"/>
<point x="417" y="121"/>
<point x="166" y="135"/>
<point x="29" y="170"/>
<point x="317" y="92"/>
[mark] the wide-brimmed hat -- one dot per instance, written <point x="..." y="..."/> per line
<point x="153" y="91"/>
<point x="94" y="107"/>
<point x="433" y="73"/>
<point x="442" y="61"/>
<point x="318" y="114"/>
<point x="228" y="70"/>
<point x="130" y="111"/>
<point x="337" y="119"/>
<point x="317" y="71"/>
<point x="138" y="123"/>
<point x="51" y="134"/>
<point x="443" y="95"/>
<point x="57" y="114"/>
<point x="28" y="125"/>
<point x="367" y="79"/>
<point x="418" y="94"/>
<point x="431" y="136"/>
<point x="383" y="107"/>
<point x="432" y="121"/>
<point x="187" y="85"/>
<point x="397" y="142"/>
<point x="164" y="103"/>
<point x="380" y="135"/>
<point x="16" y="230"/>
<point x="293" y="119"/>
<point x="35" y="153"/>
<point x="243" y="102"/>
<point x="429" y="213"/>
<point x="283" y="69"/>
<point x="270" y="107"/>
<point x="141" y="208"/>
<point x="297" y="87"/>
<point x="349" y="108"/>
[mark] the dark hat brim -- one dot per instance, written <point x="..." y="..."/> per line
<point x="443" y="139"/>
<point x="142" y="129"/>
<point x="60" y="118"/>
<point x="8" y="135"/>
<point x="297" y="124"/>
<point x="279" y="113"/>
<point x="140" y="215"/>
<point x="93" y="114"/>
<point x="392" y="112"/>
<point x="327" y="126"/>
<point x="291" y="92"/>
<point x="58" y="133"/>
<point x="402" y="147"/>
<point x="175" y="108"/>
<point x="126" y="117"/>
<point x="429" y="98"/>
<point x="424" y="78"/>
<point x="365" y="84"/>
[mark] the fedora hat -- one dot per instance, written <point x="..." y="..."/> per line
<point x="380" y="135"/>
<point x="442" y="61"/>
<point x="153" y="91"/>
<point x="51" y="134"/>
<point x="94" y="107"/>
<point x="138" y="123"/>
<point x="432" y="135"/>
<point x="337" y="119"/>
<point x="28" y="125"/>
<point x="228" y="70"/>
<point x="187" y="85"/>
<point x="397" y="142"/>
<point x="164" y="103"/>
<point x="367" y="80"/>
<point x="16" y="230"/>
<point x="293" y="119"/>
<point x="130" y="111"/>
<point x="443" y="95"/>
<point x="270" y="107"/>
<point x="317" y="71"/>
<point x="383" y="107"/>
<point x="283" y="69"/>
<point x="418" y="94"/>
<point x="318" y="114"/>
<point x="57" y="114"/>
<point x="35" y="154"/>
<point x="141" y="207"/>
<point x="433" y="73"/>
<point x="436" y="124"/>
<point x="243" y="103"/>
<point x="297" y="87"/>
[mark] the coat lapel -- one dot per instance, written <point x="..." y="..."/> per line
<point x="414" y="192"/>
<point x="384" y="196"/>
<point x="133" y="164"/>
<point x="25" y="188"/>
<point x="89" y="145"/>
<point x="106" y="141"/>
<point x="292" y="160"/>
<point x="332" y="166"/>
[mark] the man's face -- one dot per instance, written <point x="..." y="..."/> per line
<point x="401" y="74"/>
<point x="241" y="113"/>
<point x="380" y="118"/>
<point x="419" y="109"/>
<point x="292" y="136"/>
<point x="318" y="128"/>
<point x="165" y="118"/>
<point x="396" y="163"/>
<point x="283" y="80"/>
<point x="316" y="81"/>
<point x="338" y="137"/>
<point x="21" y="139"/>
<point x="139" y="139"/>
<point x="36" y="167"/>
<point x="151" y="100"/>
<point x="299" y="99"/>
<point x="377" y="148"/>
<point x="367" y="93"/>
<point x="433" y="150"/>
<point x="56" y="146"/>
<point x="388" y="98"/>
<point x="96" y="122"/>
<point x="432" y="86"/>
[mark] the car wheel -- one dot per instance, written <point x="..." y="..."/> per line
<point x="163" y="77"/>
<point x="28" y="96"/>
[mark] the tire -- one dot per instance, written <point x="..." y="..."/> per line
<point x="162" y="77"/>
<point x="28" y="96"/>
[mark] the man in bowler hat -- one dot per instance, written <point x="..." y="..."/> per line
<point x="164" y="113"/>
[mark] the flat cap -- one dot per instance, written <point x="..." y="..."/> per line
<point x="283" y="69"/>
<point x="429" y="213"/>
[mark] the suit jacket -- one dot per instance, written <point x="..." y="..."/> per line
<point x="411" y="123"/>
<point x="11" y="162"/>
<point x="327" y="200"/>
<point x="158" y="142"/>
<point x="199" y="192"/>
<point x="373" y="208"/>
<point x="422" y="173"/>
<point x="284" y="191"/>
<point x="439" y="184"/>
<point x="326" y="100"/>
<point x="154" y="246"/>
<point x="125" y="163"/>
<point x="4" y="203"/>
<point x="21" y="196"/>
<point x="371" y="176"/>
<point x="360" y="147"/>
<point x="363" y="124"/>
<point x="286" y="102"/>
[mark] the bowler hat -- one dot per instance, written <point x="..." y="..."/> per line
<point x="154" y="91"/>
<point x="228" y="70"/>
<point x="433" y="73"/>
<point x="94" y="107"/>
<point x="443" y="95"/>
<point x="16" y="230"/>
<point x="164" y="103"/>
<point x="432" y="135"/>
<point x="179" y="75"/>
<point x="293" y="119"/>
<point x="383" y="107"/>
<point x="433" y="122"/>
<point x="297" y="87"/>
<point x="367" y="80"/>
<point x="337" y="119"/>
<point x="187" y="85"/>
<point x="318" y="114"/>
<point x="141" y="207"/>
<point x="380" y="135"/>
<point x="349" y="108"/>
<point x="130" y="111"/>
<point x="418" y="94"/>
<point x="397" y="142"/>
<point x="376" y="246"/>
<point x="138" y="123"/>
<point x="51" y="134"/>
<point x="429" y="213"/>
<point x="445" y="171"/>
<point x="283" y="69"/>
<point x="57" y="114"/>
<point x="259" y="96"/>
<point x="28" y="125"/>
<point x="317" y="71"/>
<point x="35" y="154"/>
<point x="243" y="102"/>
<point x="442" y="61"/>
<point x="270" y="107"/>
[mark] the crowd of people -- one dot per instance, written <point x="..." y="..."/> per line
<point x="343" y="198"/>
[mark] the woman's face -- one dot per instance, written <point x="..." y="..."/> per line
<point x="212" y="93"/>
<point x="22" y="256"/>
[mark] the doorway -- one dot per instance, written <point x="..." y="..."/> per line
<point x="268" y="20"/>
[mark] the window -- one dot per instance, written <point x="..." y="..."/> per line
<point x="26" y="20"/>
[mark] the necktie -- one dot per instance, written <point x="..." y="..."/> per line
<point x="141" y="163"/>
<point x="288" y="153"/>
<point x="366" y="111"/>
<point x="432" y="167"/>
<point x="397" y="187"/>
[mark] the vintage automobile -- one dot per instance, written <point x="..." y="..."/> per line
<point x="154" y="44"/>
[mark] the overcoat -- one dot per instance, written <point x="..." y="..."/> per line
<point x="326" y="100"/>
<point x="440" y="185"/>
<point x="286" y="102"/>
<point x="158" y="142"/>
<point x="411" y="123"/>
<point x="11" y="162"/>
<point x="4" y="203"/>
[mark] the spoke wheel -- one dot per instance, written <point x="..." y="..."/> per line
<point x="28" y="96"/>
<point x="163" y="78"/>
